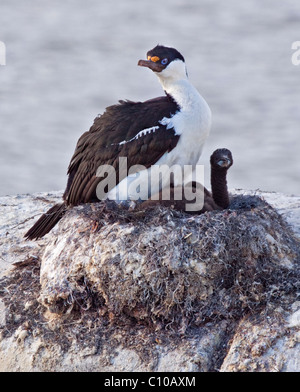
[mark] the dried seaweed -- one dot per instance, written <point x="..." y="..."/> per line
<point x="166" y="266"/>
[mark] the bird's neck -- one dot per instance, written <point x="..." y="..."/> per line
<point x="181" y="90"/>
<point x="219" y="187"/>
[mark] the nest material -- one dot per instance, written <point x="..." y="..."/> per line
<point x="166" y="266"/>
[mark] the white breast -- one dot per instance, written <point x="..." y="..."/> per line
<point x="192" y="123"/>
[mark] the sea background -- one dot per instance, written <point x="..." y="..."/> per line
<point x="68" y="60"/>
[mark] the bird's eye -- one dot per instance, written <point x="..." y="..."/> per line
<point x="164" y="61"/>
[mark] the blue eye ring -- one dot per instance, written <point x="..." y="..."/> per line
<point x="164" y="61"/>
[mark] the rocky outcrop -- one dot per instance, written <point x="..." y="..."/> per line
<point x="151" y="290"/>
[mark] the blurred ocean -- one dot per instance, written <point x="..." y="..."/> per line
<point x="67" y="60"/>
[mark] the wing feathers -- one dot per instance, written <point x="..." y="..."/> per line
<point x="129" y="129"/>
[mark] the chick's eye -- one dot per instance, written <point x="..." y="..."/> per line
<point x="164" y="61"/>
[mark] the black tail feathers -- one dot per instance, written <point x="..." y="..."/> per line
<point x="46" y="222"/>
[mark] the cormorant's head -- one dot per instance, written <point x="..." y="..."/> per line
<point x="221" y="159"/>
<point x="166" y="62"/>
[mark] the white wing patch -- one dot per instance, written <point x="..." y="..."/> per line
<point x="141" y="133"/>
<point x="174" y="122"/>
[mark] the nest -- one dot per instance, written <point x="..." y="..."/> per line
<point x="162" y="266"/>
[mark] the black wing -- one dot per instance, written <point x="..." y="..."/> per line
<point x="114" y="135"/>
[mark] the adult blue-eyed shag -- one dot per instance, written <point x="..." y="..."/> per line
<point x="168" y="130"/>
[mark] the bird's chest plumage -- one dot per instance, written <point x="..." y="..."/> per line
<point x="192" y="122"/>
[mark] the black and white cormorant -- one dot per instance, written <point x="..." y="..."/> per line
<point x="168" y="130"/>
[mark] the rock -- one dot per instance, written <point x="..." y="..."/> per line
<point x="16" y="213"/>
<point x="266" y="343"/>
<point x="157" y="290"/>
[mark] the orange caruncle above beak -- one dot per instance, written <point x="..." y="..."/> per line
<point x="153" y="58"/>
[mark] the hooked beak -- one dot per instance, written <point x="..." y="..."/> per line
<point x="154" y="66"/>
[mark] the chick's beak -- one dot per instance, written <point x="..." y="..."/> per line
<point x="224" y="162"/>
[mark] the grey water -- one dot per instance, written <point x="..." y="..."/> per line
<point x="68" y="60"/>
